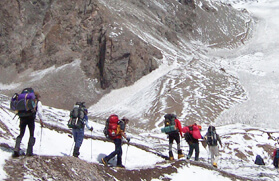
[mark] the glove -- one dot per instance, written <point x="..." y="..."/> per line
<point x="91" y="129"/>
<point x="42" y="123"/>
<point x="128" y="139"/>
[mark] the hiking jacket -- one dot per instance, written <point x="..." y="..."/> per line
<point x="121" y="127"/>
<point x="85" y="121"/>
<point x="274" y="152"/>
<point x="178" y="125"/>
<point x="39" y="113"/>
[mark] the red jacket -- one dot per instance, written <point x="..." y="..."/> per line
<point x="178" y="125"/>
<point x="274" y="152"/>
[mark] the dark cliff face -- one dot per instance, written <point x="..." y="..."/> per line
<point x="79" y="50"/>
<point x="39" y="34"/>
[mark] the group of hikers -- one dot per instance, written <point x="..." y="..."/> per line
<point x="28" y="107"/>
<point x="192" y="136"/>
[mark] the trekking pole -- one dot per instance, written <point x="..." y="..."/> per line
<point x="41" y="141"/>
<point x="91" y="145"/>
<point x="71" y="148"/>
<point x="126" y="153"/>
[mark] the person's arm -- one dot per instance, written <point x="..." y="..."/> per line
<point x="122" y="131"/>
<point x="219" y="140"/>
<point x="178" y="124"/>
<point x="86" y="123"/>
<point x="205" y="136"/>
<point x="40" y="112"/>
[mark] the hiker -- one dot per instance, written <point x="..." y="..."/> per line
<point x="27" y="118"/>
<point x="174" y="130"/>
<point x="78" y="131"/>
<point x="276" y="158"/>
<point x="212" y="138"/>
<point x="192" y="136"/>
<point x="116" y="130"/>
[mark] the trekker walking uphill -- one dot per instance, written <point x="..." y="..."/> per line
<point x="276" y="158"/>
<point x="78" y="119"/>
<point x="115" y="130"/>
<point x="28" y="106"/>
<point x="192" y="136"/>
<point x="174" y="130"/>
<point x="212" y="138"/>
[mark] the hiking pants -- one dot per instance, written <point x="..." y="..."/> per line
<point x="27" y="121"/>
<point x="194" y="146"/>
<point x="275" y="162"/>
<point x="214" y="153"/>
<point x="78" y="136"/>
<point x="174" y="136"/>
<point x="117" y="151"/>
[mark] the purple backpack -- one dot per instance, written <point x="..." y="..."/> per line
<point x="24" y="102"/>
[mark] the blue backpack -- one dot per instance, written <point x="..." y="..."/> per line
<point x="259" y="160"/>
<point x="277" y="153"/>
<point x="276" y="158"/>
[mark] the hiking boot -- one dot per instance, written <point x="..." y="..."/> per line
<point x="120" y="166"/>
<point x="171" y="155"/>
<point x="31" y="143"/>
<point x="180" y="154"/>
<point x="17" y="147"/>
<point x="76" y="152"/>
<point x="15" y="154"/>
<point x="215" y="164"/>
<point x="105" y="161"/>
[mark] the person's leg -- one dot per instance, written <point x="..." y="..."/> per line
<point x="190" y="150"/>
<point x="215" y="155"/>
<point x="211" y="154"/>
<point x="179" y="151"/>
<point x="171" y="138"/>
<point x="79" y="140"/>
<point x="275" y="162"/>
<point x="197" y="151"/>
<point x="31" y="142"/>
<point x="74" y="132"/>
<point x="22" y="126"/>
<point x="119" y="152"/>
<point x="106" y="159"/>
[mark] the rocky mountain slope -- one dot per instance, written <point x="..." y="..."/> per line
<point x="113" y="43"/>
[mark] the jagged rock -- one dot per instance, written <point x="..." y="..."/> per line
<point x="111" y="43"/>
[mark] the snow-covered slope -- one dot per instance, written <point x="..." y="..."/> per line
<point x="245" y="83"/>
<point x="148" y="150"/>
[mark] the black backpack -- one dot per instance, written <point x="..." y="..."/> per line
<point x="169" y="124"/>
<point x="211" y="136"/>
<point x="188" y="137"/>
<point x="77" y="116"/>
<point x="169" y="119"/>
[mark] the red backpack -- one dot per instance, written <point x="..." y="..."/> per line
<point x="112" y="127"/>
<point x="194" y="130"/>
